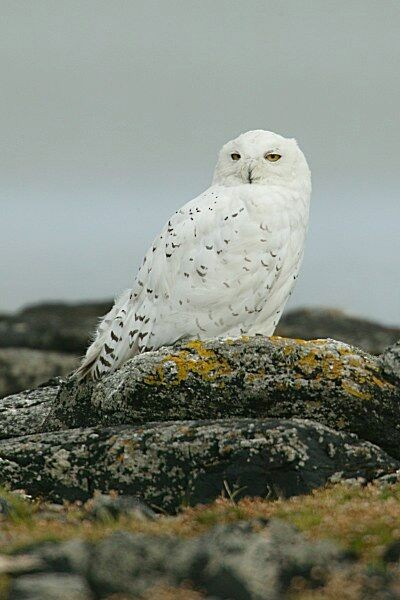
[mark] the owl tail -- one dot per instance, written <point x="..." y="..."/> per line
<point x="110" y="346"/>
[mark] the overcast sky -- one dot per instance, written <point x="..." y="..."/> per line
<point x="112" y="114"/>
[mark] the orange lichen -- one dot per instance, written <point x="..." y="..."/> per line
<point x="350" y="388"/>
<point x="204" y="363"/>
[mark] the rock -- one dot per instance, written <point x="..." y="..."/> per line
<point x="49" y="586"/>
<point x="392" y="552"/>
<point x="390" y="361"/>
<point x="24" y="413"/>
<point x="5" y="508"/>
<point x="313" y="323"/>
<point x="21" y="368"/>
<point x="53" y="326"/>
<point x="324" y="380"/>
<point x="72" y="556"/>
<point x="170" y="464"/>
<point x="232" y="562"/>
<point x="124" y="562"/>
<point x="105" y="507"/>
<point x="20" y="564"/>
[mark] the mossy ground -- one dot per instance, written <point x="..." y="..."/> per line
<point x="362" y="520"/>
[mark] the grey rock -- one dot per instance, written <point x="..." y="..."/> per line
<point x="72" y="556"/>
<point x="49" y="586"/>
<point x="390" y="361"/>
<point x="20" y="564"/>
<point x="22" y="368"/>
<point x="24" y="413"/>
<point x="325" y="380"/>
<point x="229" y="562"/>
<point x="232" y="562"/>
<point x="170" y="464"/>
<point x="125" y="563"/>
<point x="313" y="323"/>
<point x="105" y="507"/>
<point x="52" y="326"/>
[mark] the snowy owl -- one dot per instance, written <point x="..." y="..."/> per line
<point x="224" y="264"/>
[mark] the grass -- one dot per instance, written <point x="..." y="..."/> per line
<point x="361" y="520"/>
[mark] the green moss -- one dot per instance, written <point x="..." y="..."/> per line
<point x="16" y="509"/>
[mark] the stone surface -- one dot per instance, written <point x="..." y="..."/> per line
<point x="25" y="413"/>
<point x="52" y="326"/>
<point x="104" y="507"/>
<point x="72" y="556"/>
<point x="232" y="562"/>
<point x="50" y="586"/>
<point x="167" y="465"/>
<point x="22" y="368"/>
<point x="313" y="323"/>
<point x="324" y="380"/>
<point x="390" y="361"/>
<point x="240" y="561"/>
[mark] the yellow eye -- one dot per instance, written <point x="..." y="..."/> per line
<point x="272" y="157"/>
<point x="235" y="156"/>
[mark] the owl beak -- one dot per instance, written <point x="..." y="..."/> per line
<point x="250" y="174"/>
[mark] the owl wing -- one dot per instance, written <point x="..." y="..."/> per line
<point x="211" y="268"/>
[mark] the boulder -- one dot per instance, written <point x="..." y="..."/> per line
<point x="22" y="368"/>
<point x="390" y="362"/>
<point x="52" y="326"/>
<point x="25" y="413"/>
<point x="50" y="586"/>
<point x="170" y="464"/>
<point x="312" y="323"/>
<point x="231" y="561"/>
<point x="328" y="381"/>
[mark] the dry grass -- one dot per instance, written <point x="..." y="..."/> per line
<point x="162" y="592"/>
<point x="351" y="584"/>
<point x="362" y="520"/>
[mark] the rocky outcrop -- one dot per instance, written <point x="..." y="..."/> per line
<point x="53" y="326"/>
<point x="245" y="418"/>
<point x="324" y="380"/>
<point x="22" y="368"/>
<point x="241" y="561"/>
<point x="187" y="462"/>
<point x="312" y="323"/>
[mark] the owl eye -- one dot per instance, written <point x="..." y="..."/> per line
<point x="272" y="157"/>
<point x="235" y="156"/>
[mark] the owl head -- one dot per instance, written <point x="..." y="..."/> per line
<point x="261" y="158"/>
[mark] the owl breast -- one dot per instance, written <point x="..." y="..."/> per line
<point x="243" y="252"/>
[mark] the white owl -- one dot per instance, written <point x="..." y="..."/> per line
<point x="224" y="264"/>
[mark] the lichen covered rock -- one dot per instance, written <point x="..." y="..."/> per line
<point x="311" y="323"/>
<point x="325" y="380"/>
<point x="173" y="464"/>
<point x="25" y="413"/>
<point x="390" y="361"/>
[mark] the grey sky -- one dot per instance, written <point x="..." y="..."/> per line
<point x="112" y="114"/>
